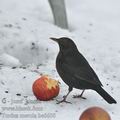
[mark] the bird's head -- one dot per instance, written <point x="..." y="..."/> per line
<point x="64" y="43"/>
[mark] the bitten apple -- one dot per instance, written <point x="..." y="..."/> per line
<point x="95" y="113"/>
<point x="45" y="88"/>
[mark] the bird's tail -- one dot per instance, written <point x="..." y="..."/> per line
<point x="105" y="95"/>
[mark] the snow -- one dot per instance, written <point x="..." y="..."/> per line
<point x="8" y="60"/>
<point x="26" y="52"/>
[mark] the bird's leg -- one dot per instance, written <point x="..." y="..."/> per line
<point x="79" y="96"/>
<point x="65" y="97"/>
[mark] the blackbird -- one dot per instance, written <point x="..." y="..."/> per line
<point x="76" y="72"/>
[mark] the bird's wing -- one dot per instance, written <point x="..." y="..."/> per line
<point x="84" y="73"/>
<point x="87" y="75"/>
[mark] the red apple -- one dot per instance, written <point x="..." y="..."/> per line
<point x="95" y="113"/>
<point x="45" y="88"/>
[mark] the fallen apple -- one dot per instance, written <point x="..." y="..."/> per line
<point x="95" y="113"/>
<point x="45" y="88"/>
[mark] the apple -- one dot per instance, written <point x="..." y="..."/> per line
<point x="95" y="113"/>
<point x="45" y="88"/>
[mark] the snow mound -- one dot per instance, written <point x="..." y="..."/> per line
<point x="8" y="60"/>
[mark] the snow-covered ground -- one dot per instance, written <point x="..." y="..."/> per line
<point x="26" y="52"/>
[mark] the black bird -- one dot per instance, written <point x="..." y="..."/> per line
<point x="75" y="71"/>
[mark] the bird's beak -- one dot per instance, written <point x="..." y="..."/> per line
<point x="54" y="39"/>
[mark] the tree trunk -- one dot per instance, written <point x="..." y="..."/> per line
<point x="59" y="13"/>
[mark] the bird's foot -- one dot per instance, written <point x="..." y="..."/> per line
<point x="64" y="100"/>
<point x="78" y="96"/>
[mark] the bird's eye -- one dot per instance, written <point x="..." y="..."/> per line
<point x="64" y="45"/>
